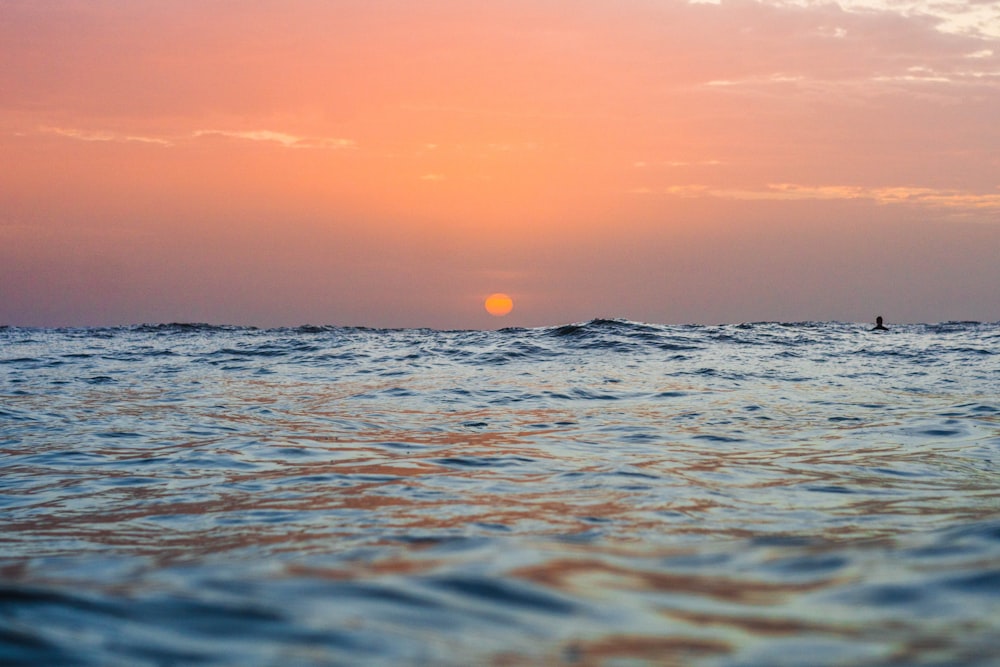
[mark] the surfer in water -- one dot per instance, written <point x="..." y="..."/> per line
<point x="878" y="325"/>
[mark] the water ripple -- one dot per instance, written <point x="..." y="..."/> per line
<point x="598" y="493"/>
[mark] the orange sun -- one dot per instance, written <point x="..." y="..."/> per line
<point x="499" y="305"/>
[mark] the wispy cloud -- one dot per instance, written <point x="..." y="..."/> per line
<point x="887" y="195"/>
<point x="284" y="139"/>
<point x="642" y="164"/>
<point x="949" y="16"/>
<point x="104" y="135"/>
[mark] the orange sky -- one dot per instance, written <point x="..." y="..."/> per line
<point x="392" y="163"/>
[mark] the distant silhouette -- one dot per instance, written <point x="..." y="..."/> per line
<point x="878" y="325"/>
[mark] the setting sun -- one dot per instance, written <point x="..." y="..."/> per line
<point x="499" y="304"/>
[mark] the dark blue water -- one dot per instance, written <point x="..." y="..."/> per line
<point x="596" y="494"/>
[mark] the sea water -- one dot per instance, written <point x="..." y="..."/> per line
<point x="604" y="493"/>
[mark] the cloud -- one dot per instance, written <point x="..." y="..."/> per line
<point x="886" y="195"/>
<point x="284" y="139"/>
<point x="937" y="198"/>
<point x="641" y="164"/>
<point x="948" y="16"/>
<point x="104" y="135"/>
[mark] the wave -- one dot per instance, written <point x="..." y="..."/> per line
<point x="186" y="327"/>
<point x="596" y="492"/>
<point x="568" y="329"/>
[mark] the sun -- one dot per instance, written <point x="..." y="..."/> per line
<point x="498" y="304"/>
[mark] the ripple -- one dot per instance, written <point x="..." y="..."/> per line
<point x="777" y="494"/>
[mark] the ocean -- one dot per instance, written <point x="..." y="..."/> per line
<point x="602" y="493"/>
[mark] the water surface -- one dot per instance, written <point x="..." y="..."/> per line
<point x="601" y="493"/>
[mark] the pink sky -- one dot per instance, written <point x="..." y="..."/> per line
<point x="392" y="163"/>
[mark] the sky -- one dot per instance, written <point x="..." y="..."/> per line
<point x="389" y="163"/>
